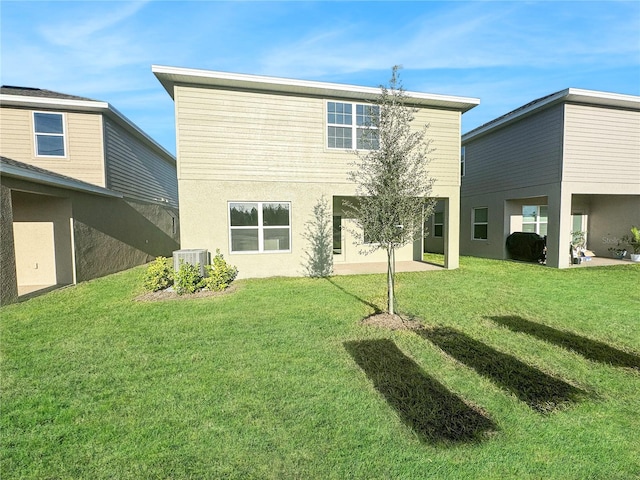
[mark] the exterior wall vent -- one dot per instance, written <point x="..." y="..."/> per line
<point x="193" y="256"/>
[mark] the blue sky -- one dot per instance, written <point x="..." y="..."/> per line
<point x="505" y="53"/>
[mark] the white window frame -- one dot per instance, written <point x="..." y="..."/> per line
<point x="41" y="134"/>
<point x="463" y="162"/>
<point x="436" y="223"/>
<point x="474" y="223"/>
<point x="260" y="227"/>
<point x="353" y="126"/>
<point x="537" y="221"/>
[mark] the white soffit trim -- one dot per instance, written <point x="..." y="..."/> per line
<point x="571" y="95"/>
<point x="170" y="76"/>
<point x="85" y="106"/>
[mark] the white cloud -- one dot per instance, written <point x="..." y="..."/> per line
<point x="74" y="33"/>
<point x="468" y="35"/>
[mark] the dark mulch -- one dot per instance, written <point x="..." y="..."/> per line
<point x="172" y="295"/>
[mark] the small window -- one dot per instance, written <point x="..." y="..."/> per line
<point x="343" y="126"/>
<point x="480" y="223"/>
<point x="260" y="226"/>
<point x="49" y="134"/>
<point x="463" y="165"/>
<point x="438" y="224"/>
<point x="535" y="219"/>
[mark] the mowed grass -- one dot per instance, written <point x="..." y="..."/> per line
<point x="521" y="372"/>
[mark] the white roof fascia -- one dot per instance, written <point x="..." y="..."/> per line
<point x="85" y="106"/>
<point x="55" y="181"/>
<point x="572" y="95"/>
<point x="169" y="76"/>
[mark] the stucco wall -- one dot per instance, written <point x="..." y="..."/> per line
<point x="8" y="282"/>
<point x="115" y="234"/>
<point x="109" y="234"/>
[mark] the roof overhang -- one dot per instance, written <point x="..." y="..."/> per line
<point x="570" y="95"/>
<point x="172" y="76"/>
<point x="29" y="173"/>
<point x="90" y="106"/>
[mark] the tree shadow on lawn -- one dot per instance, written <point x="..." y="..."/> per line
<point x="591" y="349"/>
<point x="540" y="391"/>
<point x="375" y="308"/>
<point x="434" y="413"/>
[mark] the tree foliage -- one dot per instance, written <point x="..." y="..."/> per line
<point x="392" y="181"/>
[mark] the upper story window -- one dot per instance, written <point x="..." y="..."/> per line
<point x="260" y="226"/>
<point x="463" y="165"/>
<point x="352" y="126"/>
<point x="49" y="134"/>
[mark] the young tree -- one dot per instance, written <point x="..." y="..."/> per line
<point x="392" y="182"/>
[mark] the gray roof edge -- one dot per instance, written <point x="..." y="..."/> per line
<point x="568" y="95"/>
<point x="23" y="171"/>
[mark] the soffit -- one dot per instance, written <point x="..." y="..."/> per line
<point x="171" y="76"/>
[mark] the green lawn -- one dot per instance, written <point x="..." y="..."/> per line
<point x="521" y="372"/>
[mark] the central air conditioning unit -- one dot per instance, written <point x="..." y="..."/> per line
<point x="196" y="256"/>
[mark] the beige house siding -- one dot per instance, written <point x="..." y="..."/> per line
<point x="444" y="132"/>
<point x="135" y="170"/>
<point x="524" y="154"/>
<point x="253" y="136"/>
<point x="83" y="143"/>
<point x="602" y="145"/>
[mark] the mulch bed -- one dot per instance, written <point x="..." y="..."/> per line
<point x="172" y="295"/>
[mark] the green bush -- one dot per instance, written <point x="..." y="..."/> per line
<point x="219" y="274"/>
<point x="159" y="275"/>
<point x="187" y="279"/>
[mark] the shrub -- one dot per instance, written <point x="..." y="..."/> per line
<point x="187" y="279"/>
<point x="159" y="275"/>
<point x="219" y="274"/>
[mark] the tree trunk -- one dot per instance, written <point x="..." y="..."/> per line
<point x="391" y="260"/>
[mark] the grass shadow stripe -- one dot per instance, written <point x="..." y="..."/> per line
<point x="590" y="349"/>
<point x="434" y="413"/>
<point x="540" y="391"/>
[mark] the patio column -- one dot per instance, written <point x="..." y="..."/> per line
<point x="452" y="232"/>
<point x="559" y="228"/>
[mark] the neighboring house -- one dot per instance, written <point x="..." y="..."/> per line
<point x="255" y="154"/>
<point x="567" y="162"/>
<point x="84" y="192"/>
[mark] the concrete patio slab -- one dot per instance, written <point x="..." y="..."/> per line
<point x="381" y="267"/>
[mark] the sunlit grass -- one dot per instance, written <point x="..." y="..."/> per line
<point x="279" y="379"/>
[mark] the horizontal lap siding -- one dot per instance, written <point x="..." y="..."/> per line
<point x="251" y="136"/>
<point x="523" y="154"/>
<point x="444" y="134"/>
<point x="602" y="145"/>
<point x="137" y="171"/>
<point x="84" y="160"/>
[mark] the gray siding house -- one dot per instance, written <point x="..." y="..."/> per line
<point x="84" y="192"/>
<point x="566" y="162"/>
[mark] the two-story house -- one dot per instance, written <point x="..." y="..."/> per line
<point x="84" y="192"/>
<point x="566" y="162"/>
<point x="256" y="153"/>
